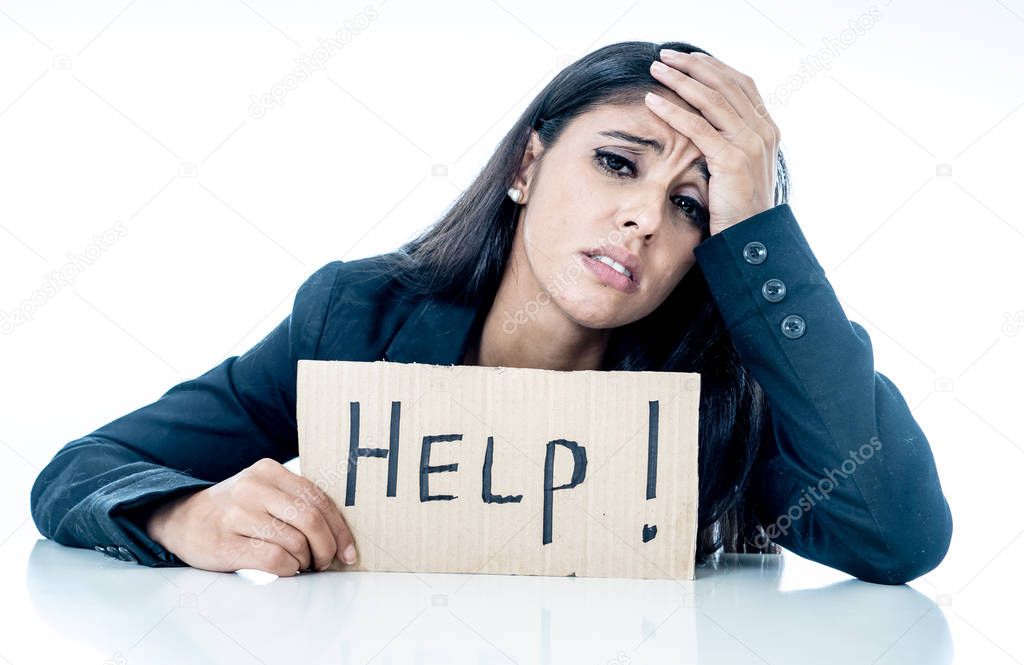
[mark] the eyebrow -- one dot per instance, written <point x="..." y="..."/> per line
<point x="701" y="165"/>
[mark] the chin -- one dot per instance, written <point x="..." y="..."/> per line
<point x="596" y="308"/>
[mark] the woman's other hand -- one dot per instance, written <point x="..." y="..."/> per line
<point x="264" y="517"/>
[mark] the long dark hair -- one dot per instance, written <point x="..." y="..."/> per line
<point x="463" y="255"/>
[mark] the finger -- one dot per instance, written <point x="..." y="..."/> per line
<point x="342" y="534"/>
<point x="272" y="558"/>
<point x="273" y="530"/>
<point x="303" y="487"/>
<point x="735" y="86"/>
<point x="259" y="555"/>
<point x="712" y="104"/>
<point x="297" y="512"/>
<point x="749" y="88"/>
<point x="691" y="125"/>
<point x="699" y="66"/>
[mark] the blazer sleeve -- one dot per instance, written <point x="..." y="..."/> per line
<point x="844" y="475"/>
<point x="96" y="490"/>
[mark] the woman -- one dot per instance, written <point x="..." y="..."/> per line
<point x="610" y="230"/>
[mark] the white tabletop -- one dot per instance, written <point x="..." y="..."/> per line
<point x="77" y="605"/>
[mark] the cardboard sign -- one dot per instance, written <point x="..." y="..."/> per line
<point x="467" y="469"/>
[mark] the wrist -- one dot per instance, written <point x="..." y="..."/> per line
<point x="720" y="226"/>
<point x="157" y="522"/>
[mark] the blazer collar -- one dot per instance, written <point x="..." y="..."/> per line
<point x="435" y="332"/>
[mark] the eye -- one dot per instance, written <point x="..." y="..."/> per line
<point x="696" y="212"/>
<point x="610" y="163"/>
<point x="606" y="159"/>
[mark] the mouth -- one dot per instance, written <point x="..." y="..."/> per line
<point x="622" y="273"/>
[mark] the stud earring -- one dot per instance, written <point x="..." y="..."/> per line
<point x="515" y="194"/>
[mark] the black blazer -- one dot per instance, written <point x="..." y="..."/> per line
<point x="845" y="475"/>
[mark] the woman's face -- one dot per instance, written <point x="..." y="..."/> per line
<point x="598" y="188"/>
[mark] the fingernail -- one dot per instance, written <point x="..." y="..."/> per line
<point x="350" y="554"/>
<point x="655" y="99"/>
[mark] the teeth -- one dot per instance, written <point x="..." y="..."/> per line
<point x="614" y="264"/>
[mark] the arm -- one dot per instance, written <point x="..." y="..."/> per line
<point x="844" y="475"/>
<point x="98" y="489"/>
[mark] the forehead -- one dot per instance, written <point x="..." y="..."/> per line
<point x="635" y="117"/>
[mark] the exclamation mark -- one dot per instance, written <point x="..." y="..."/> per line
<point x="650" y="530"/>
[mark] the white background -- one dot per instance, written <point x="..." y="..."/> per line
<point x="903" y="152"/>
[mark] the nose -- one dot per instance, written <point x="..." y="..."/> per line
<point x="649" y="212"/>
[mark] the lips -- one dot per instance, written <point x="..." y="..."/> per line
<point x="608" y="275"/>
<point x="620" y="255"/>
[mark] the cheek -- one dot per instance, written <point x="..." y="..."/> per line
<point x="558" y="225"/>
<point x="687" y="240"/>
<point x="673" y="267"/>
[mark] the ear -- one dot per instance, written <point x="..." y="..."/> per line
<point x="528" y="166"/>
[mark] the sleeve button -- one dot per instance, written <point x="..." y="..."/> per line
<point x="125" y="554"/>
<point x="755" y="252"/>
<point x="793" y="326"/>
<point x="773" y="290"/>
